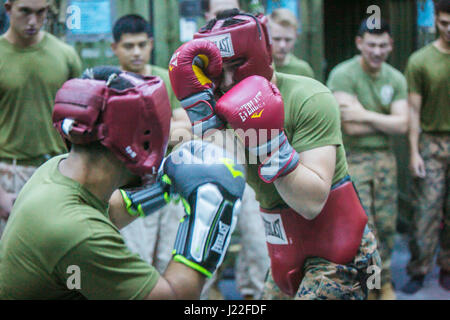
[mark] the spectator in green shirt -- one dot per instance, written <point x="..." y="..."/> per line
<point x="33" y="66"/>
<point x="373" y="102"/>
<point x="283" y="29"/>
<point x="428" y="79"/>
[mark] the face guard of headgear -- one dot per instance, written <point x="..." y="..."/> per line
<point x="131" y="120"/>
<point x="241" y="36"/>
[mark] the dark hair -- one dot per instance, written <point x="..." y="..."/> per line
<point x="364" y="27"/>
<point x="109" y="74"/>
<point x="442" y="6"/>
<point x="131" y="23"/>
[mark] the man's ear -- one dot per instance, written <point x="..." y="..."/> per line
<point x="358" y="42"/>
<point x="208" y="16"/>
<point x="114" y="46"/>
<point x="8" y="7"/>
<point x="151" y="42"/>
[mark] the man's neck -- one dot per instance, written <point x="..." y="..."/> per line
<point x="99" y="177"/>
<point x="14" y="39"/>
<point x="282" y="63"/>
<point x="367" y="69"/>
<point x="442" y="45"/>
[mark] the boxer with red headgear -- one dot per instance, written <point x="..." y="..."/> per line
<point x="319" y="244"/>
<point x="254" y="50"/>
<point x="62" y="240"/>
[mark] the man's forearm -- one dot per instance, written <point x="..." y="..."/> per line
<point x="414" y="131"/>
<point x="390" y="124"/>
<point x="178" y="282"/>
<point x="414" y="103"/>
<point x="357" y="129"/>
<point x="118" y="213"/>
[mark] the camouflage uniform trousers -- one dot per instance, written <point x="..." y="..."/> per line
<point x="325" y="280"/>
<point x="431" y="207"/>
<point x="12" y="178"/>
<point x="153" y="237"/>
<point x="375" y="176"/>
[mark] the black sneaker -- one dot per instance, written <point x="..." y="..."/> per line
<point x="413" y="285"/>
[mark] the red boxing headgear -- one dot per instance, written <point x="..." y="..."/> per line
<point x="133" y="123"/>
<point x="242" y="36"/>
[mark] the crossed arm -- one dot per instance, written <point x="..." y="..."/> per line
<point x="356" y="120"/>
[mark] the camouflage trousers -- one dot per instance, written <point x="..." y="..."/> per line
<point x="375" y="176"/>
<point x="431" y="207"/>
<point x="325" y="280"/>
<point x="12" y="178"/>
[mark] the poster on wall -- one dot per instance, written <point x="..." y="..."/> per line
<point x="89" y="20"/>
<point x="425" y="14"/>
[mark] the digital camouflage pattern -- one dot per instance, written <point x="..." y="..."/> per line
<point x="374" y="174"/>
<point x="12" y="178"/>
<point x="431" y="207"/>
<point x="324" y="280"/>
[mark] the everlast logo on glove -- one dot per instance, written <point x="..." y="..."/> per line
<point x="174" y="61"/>
<point x="249" y="108"/>
<point x="224" y="43"/>
<point x="219" y="244"/>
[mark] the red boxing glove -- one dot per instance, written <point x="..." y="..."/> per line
<point x="254" y="108"/>
<point x="190" y="70"/>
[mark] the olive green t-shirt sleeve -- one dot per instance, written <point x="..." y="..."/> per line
<point x="318" y="123"/>
<point x="413" y="77"/>
<point x="309" y="72"/>
<point x="108" y="269"/>
<point x="401" y="88"/>
<point x="340" y="81"/>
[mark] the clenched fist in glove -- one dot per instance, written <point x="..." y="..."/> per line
<point x="254" y="108"/>
<point x="190" y="70"/>
<point x="211" y="186"/>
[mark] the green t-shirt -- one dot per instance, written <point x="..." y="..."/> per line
<point x="374" y="93"/>
<point x="29" y="80"/>
<point x="164" y="75"/>
<point x="296" y="66"/>
<point x="57" y="225"/>
<point x="311" y="120"/>
<point x="428" y="74"/>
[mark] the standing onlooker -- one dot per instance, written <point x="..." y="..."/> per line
<point x="373" y="100"/>
<point x="283" y="30"/>
<point x="33" y="66"/>
<point x="428" y="79"/>
<point x="154" y="236"/>
<point x="252" y="261"/>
